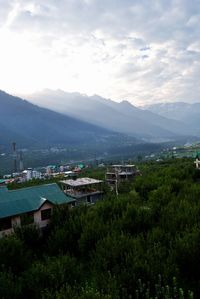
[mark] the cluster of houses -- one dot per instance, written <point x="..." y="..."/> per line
<point x="50" y="171"/>
<point x="34" y="205"/>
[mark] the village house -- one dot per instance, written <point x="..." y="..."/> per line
<point x="33" y="205"/>
<point x="83" y="190"/>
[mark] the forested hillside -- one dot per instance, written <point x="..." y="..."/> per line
<point x="142" y="244"/>
<point x="34" y="127"/>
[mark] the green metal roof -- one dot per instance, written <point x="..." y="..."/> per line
<point x="2" y="181"/>
<point x="196" y="155"/>
<point x="81" y="166"/>
<point x="25" y="200"/>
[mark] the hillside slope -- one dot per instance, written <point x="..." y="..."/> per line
<point x="31" y="125"/>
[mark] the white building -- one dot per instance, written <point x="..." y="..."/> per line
<point x="197" y="162"/>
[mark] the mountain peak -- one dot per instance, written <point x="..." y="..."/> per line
<point x="125" y="103"/>
<point x="31" y="125"/>
<point x="120" y="117"/>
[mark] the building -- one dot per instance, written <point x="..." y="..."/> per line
<point x="70" y="174"/>
<point x="31" y="205"/>
<point x="51" y="169"/>
<point x="116" y="174"/>
<point x="120" y="173"/>
<point x="36" y="174"/>
<point x="30" y="174"/>
<point x="83" y="190"/>
<point x="2" y="182"/>
<point x="197" y="161"/>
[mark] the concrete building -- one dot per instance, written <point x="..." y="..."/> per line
<point x="51" y="169"/>
<point x="83" y="190"/>
<point x="36" y="174"/>
<point x="62" y="169"/>
<point x="30" y="174"/>
<point x="116" y="174"/>
<point x="33" y="205"/>
<point x="70" y="174"/>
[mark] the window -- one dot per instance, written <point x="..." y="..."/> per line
<point x="88" y="198"/>
<point x="73" y="204"/>
<point x="27" y="218"/>
<point x="45" y="214"/>
<point x="5" y="223"/>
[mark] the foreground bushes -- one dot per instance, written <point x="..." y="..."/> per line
<point x="117" y="248"/>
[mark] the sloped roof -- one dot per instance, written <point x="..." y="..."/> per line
<point x="2" y="181"/>
<point x="25" y="200"/>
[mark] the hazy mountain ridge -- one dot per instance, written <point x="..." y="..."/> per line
<point x="181" y="111"/>
<point x="31" y="125"/>
<point x="121" y="117"/>
<point x="81" y="121"/>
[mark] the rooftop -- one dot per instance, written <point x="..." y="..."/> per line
<point x="15" y="202"/>
<point x="81" y="182"/>
<point x="122" y="165"/>
<point x="2" y="181"/>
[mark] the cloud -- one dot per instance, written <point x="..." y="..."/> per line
<point x="145" y="51"/>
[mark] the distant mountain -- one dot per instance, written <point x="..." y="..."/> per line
<point x="33" y="126"/>
<point x="184" y="112"/>
<point x="120" y="117"/>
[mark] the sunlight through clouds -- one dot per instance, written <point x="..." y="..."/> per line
<point x="143" y="51"/>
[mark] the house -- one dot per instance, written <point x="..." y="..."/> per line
<point x="83" y="190"/>
<point x="2" y="182"/>
<point x="31" y="205"/>
<point x="119" y="173"/>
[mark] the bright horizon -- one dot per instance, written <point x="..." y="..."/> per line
<point x="142" y="51"/>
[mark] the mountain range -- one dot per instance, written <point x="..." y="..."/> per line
<point x="33" y="126"/>
<point x="187" y="113"/>
<point x="120" y="117"/>
<point x="59" y="118"/>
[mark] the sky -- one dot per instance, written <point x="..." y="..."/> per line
<point x="144" y="51"/>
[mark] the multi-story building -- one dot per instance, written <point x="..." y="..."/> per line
<point x="83" y="190"/>
<point x="116" y="174"/>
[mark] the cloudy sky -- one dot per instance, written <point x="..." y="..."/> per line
<point x="146" y="51"/>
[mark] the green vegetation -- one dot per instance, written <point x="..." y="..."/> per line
<point x="34" y="182"/>
<point x="143" y="244"/>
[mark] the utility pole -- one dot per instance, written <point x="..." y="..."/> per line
<point x="116" y="182"/>
<point x="14" y="157"/>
